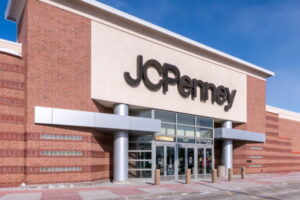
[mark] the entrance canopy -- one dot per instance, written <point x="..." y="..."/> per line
<point x="235" y="134"/>
<point x="64" y="117"/>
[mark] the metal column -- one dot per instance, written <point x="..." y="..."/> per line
<point x="227" y="148"/>
<point x="120" y="148"/>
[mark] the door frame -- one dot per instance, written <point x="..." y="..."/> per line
<point x="165" y="145"/>
<point x="186" y="146"/>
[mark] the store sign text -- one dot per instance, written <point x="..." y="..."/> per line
<point x="187" y="87"/>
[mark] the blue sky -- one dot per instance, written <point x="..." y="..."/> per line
<point x="263" y="32"/>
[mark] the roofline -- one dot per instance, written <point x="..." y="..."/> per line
<point x="12" y="48"/>
<point x="283" y="113"/>
<point x="7" y="10"/>
<point x="267" y="73"/>
<point x="264" y="72"/>
<point x="14" y="10"/>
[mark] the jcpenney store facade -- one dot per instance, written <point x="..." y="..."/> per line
<point x="126" y="97"/>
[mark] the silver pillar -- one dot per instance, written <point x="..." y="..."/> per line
<point x="227" y="148"/>
<point x="227" y="124"/>
<point x="121" y="148"/>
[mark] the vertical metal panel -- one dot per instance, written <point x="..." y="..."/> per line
<point x="121" y="148"/>
<point x="227" y="124"/>
<point x="227" y="153"/>
<point x="227" y="148"/>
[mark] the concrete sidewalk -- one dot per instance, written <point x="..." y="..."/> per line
<point x="142" y="190"/>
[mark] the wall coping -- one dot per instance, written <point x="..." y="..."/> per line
<point x="284" y="114"/>
<point x="12" y="48"/>
<point x="16" y="7"/>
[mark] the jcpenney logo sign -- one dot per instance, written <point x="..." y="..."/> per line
<point x="187" y="87"/>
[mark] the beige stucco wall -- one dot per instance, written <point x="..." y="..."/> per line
<point x="114" y="52"/>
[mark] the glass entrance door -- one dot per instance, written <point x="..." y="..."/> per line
<point x="165" y="161"/>
<point x="170" y="161"/>
<point x="204" y="161"/>
<point x="201" y="162"/>
<point x="181" y="161"/>
<point x="190" y="159"/>
<point x="160" y="159"/>
<point x="186" y="160"/>
<point x="173" y="160"/>
<point x="209" y="160"/>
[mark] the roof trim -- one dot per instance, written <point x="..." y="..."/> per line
<point x="12" y="48"/>
<point x="284" y="114"/>
<point x="15" y="9"/>
<point x="265" y="72"/>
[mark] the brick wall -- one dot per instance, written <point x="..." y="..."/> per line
<point x="54" y="72"/>
<point x="12" y="112"/>
<point x="280" y="152"/>
<point x="256" y="103"/>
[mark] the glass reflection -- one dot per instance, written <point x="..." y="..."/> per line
<point x="200" y="161"/>
<point x="170" y="161"/>
<point x="165" y="116"/>
<point x="185" y="119"/>
<point x="190" y="157"/>
<point x="160" y="159"/>
<point x="208" y="160"/>
<point x="181" y="161"/>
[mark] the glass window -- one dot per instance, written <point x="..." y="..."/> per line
<point x="141" y="113"/>
<point x="186" y="119"/>
<point x="139" y="155"/>
<point x="167" y="129"/>
<point x="185" y="131"/>
<point x="202" y="121"/>
<point x="186" y="140"/>
<point x="139" y="174"/>
<point x="139" y="164"/>
<point x="204" y="133"/>
<point x="165" y="116"/>
<point x="140" y="138"/>
<point x="139" y="146"/>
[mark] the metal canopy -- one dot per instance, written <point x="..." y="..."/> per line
<point x="235" y="134"/>
<point x="63" y="117"/>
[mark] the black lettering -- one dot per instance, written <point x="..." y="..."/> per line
<point x="230" y="98"/>
<point x="212" y="88"/>
<point x="168" y="80"/>
<point x="201" y="85"/>
<point x="221" y="95"/>
<point x="157" y="66"/>
<point x="139" y="71"/>
<point x="185" y="86"/>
